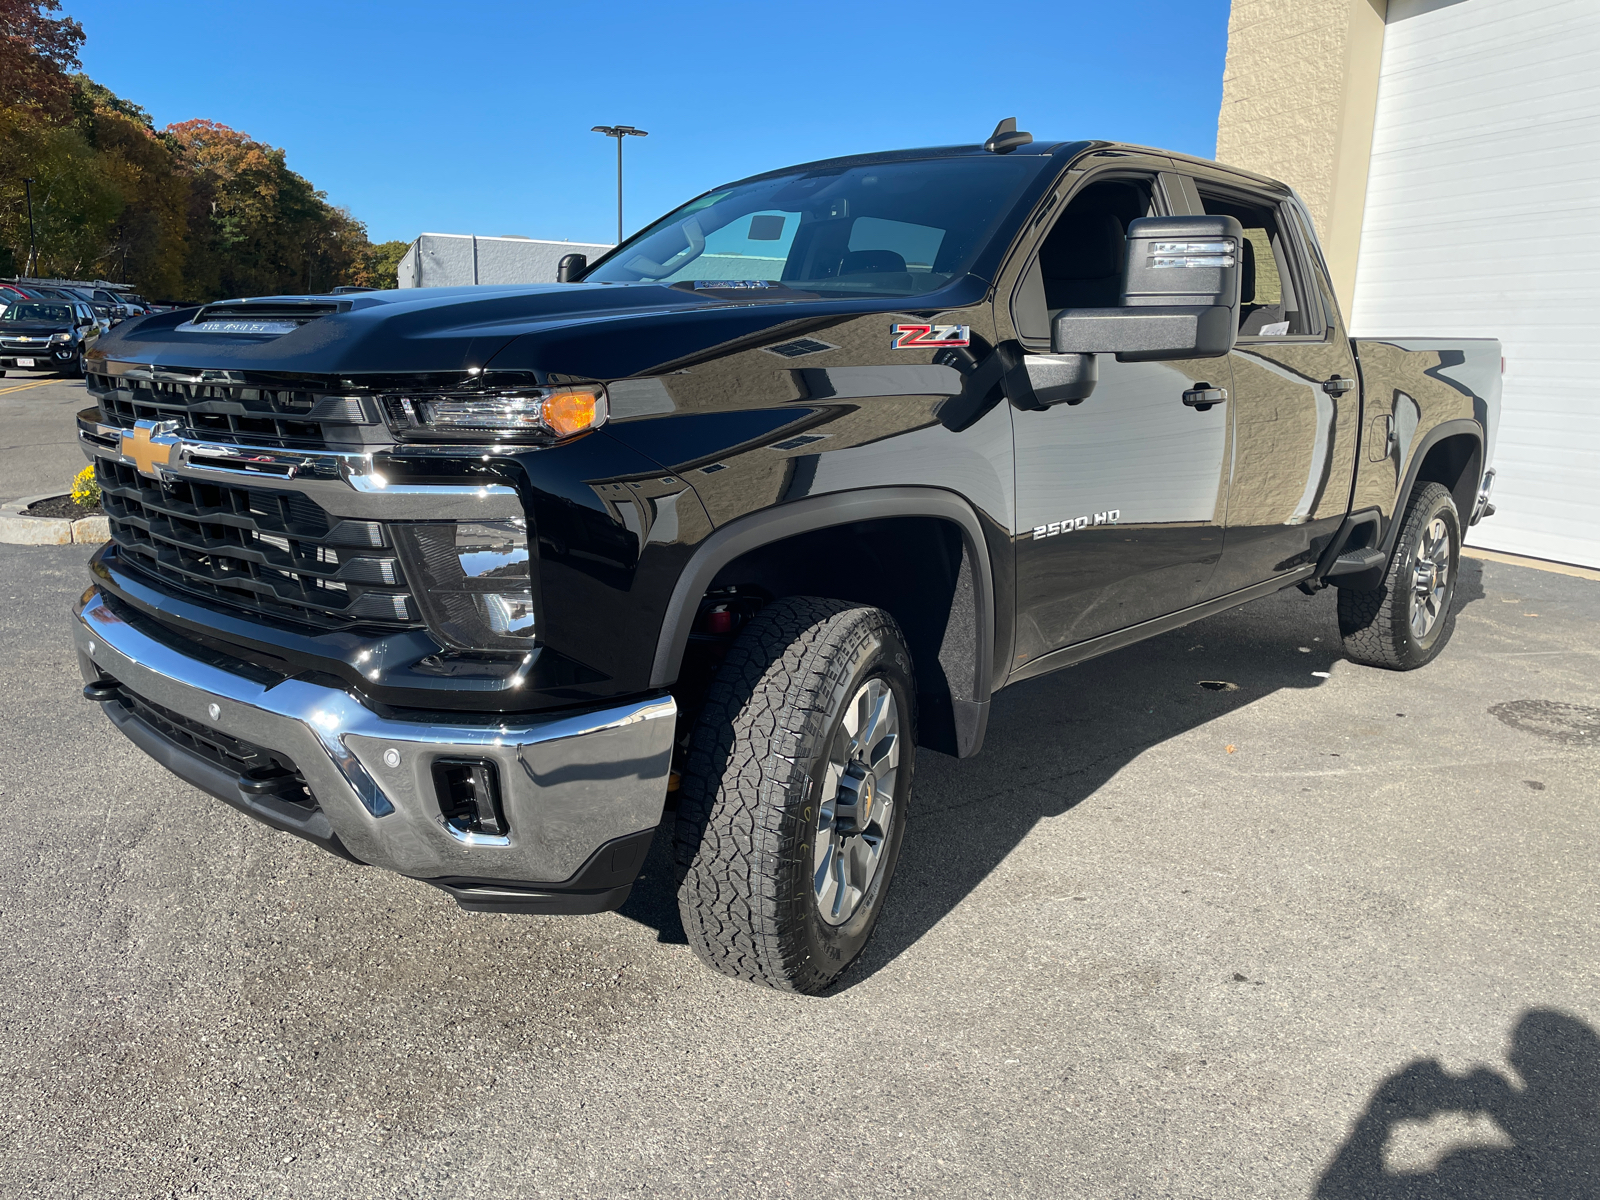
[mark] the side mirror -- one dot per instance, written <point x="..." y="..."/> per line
<point x="570" y="267"/>
<point x="1180" y="295"/>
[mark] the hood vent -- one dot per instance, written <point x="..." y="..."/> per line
<point x="270" y="318"/>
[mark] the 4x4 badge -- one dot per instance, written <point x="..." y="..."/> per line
<point x="914" y="337"/>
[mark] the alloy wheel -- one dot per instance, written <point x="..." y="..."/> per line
<point x="1431" y="578"/>
<point x="858" y="799"/>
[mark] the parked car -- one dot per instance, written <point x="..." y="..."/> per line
<point x="485" y="585"/>
<point x="114" y="301"/>
<point x="47" y="335"/>
<point x="105" y="313"/>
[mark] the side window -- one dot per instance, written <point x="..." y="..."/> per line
<point x="1270" y="304"/>
<point x="1079" y="264"/>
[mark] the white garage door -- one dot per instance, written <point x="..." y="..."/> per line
<point x="1483" y="220"/>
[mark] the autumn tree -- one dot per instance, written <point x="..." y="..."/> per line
<point x="36" y="53"/>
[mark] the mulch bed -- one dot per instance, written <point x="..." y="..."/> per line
<point x="64" y="506"/>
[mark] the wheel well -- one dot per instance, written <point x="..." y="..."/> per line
<point x="1453" y="461"/>
<point x="917" y="569"/>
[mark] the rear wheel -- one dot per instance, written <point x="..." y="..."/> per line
<point x="793" y="804"/>
<point x="1404" y="623"/>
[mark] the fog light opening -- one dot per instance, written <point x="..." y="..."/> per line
<point x="469" y="796"/>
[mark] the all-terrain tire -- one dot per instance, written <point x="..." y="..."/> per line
<point x="749" y="802"/>
<point x="1377" y="626"/>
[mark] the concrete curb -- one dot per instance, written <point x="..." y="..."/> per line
<point x="19" y="529"/>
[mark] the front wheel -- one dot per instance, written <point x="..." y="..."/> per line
<point x="793" y="803"/>
<point x="1405" y="622"/>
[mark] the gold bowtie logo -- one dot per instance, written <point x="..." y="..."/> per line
<point x="140" y="444"/>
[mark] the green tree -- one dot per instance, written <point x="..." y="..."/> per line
<point x="378" y="266"/>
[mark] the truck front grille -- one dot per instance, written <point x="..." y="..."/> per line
<point x="280" y="416"/>
<point x="264" y="552"/>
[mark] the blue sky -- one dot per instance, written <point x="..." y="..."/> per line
<point x="475" y="118"/>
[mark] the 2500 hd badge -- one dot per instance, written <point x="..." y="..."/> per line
<point x="499" y="587"/>
<point x="1109" y="517"/>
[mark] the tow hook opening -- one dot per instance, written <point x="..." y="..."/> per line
<point x="469" y="795"/>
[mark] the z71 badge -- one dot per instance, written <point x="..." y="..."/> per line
<point x="914" y="337"/>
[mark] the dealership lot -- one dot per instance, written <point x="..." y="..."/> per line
<point x="1158" y="939"/>
<point x="38" y="442"/>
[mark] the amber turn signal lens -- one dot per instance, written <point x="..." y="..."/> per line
<point x="567" y="413"/>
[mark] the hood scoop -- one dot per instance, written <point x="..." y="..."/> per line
<point x="260" y="318"/>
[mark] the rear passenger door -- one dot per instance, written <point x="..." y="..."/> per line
<point x="1295" y="408"/>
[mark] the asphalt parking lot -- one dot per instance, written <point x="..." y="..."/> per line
<point x="38" y="441"/>
<point x="1310" y="935"/>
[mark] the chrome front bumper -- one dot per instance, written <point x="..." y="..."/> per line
<point x="570" y="783"/>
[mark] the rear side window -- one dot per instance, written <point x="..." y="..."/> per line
<point x="1270" y="303"/>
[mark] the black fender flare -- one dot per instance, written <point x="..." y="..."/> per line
<point x="1445" y="429"/>
<point x="747" y="533"/>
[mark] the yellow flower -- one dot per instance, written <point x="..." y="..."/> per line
<point x="86" y="488"/>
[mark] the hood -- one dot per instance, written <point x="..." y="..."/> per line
<point x="600" y="330"/>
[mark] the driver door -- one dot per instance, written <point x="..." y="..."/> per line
<point x="1121" y="497"/>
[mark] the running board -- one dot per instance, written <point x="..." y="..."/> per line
<point x="1069" y="656"/>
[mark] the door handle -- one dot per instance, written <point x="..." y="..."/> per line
<point x="1337" y="386"/>
<point x="1202" y="396"/>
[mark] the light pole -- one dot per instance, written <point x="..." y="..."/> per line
<point x="619" y="132"/>
<point x="33" y="254"/>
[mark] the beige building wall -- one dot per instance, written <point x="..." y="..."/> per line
<point x="1299" y="93"/>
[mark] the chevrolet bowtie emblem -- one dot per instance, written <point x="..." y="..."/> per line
<point x="149" y="444"/>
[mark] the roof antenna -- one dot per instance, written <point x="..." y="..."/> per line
<point x="1005" y="137"/>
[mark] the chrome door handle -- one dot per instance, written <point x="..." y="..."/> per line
<point x="1336" y="385"/>
<point x="1202" y="396"/>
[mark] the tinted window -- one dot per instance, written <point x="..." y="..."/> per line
<point x="899" y="229"/>
<point x="1268" y="301"/>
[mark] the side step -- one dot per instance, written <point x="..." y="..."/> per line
<point x="1352" y="562"/>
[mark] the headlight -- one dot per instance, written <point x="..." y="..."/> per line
<point x="473" y="580"/>
<point x="61" y="337"/>
<point x="538" y="414"/>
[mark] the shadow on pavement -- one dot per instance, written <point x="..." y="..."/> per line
<point x="1053" y="742"/>
<point x="1552" y="1122"/>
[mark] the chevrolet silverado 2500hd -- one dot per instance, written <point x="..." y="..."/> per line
<point x="472" y="583"/>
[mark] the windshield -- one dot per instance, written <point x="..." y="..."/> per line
<point x="890" y="229"/>
<point x="39" y="312"/>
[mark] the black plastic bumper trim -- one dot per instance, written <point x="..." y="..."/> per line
<point x="214" y="781"/>
<point x="600" y="885"/>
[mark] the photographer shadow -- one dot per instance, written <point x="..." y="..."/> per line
<point x="1552" y="1122"/>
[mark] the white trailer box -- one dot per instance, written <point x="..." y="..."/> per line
<point x="462" y="259"/>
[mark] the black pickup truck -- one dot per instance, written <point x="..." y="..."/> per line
<point x="482" y="585"/>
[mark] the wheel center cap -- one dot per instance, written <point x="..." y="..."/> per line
<point x="868" y="794"/>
